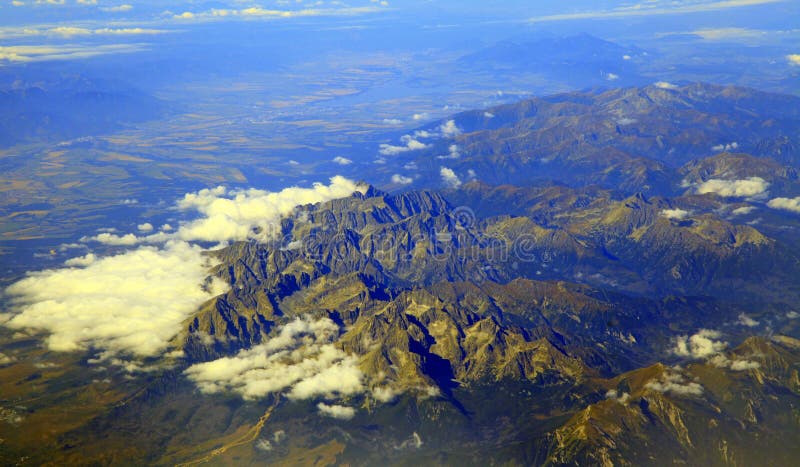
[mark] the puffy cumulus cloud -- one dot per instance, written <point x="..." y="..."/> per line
<point x="793" y="59"/>
<point x="702" y="344"/>
<point x="420" y="116"/>
<point x="621" y="397"/>
<point x="676" y="384"/>
<point x="748" y="187"/>
<point x="452" y="153"/>
<point x="107" y="238"/>
<point x="665" y="85"/>
<point x="336" y="411"/>
<point x="401" y="180"/>
<point x="342" y="160"/>
<point x="722" y="361"/>
<point x="745" y="320"/>
<point x="449" y="129"/>
<point x="409" y="143"/>
<point x="131" y="303"/>
<point x="85" y="260"/>
<point x="385" y="393"/>
<point x="146" y="227"/>
<point x="449" y="177"/>
<point x="725" y="147"/>
<point x="244" y="214"/>
<point x="785" y="204"/>
<point x="743" y="365"/>
<point x="301" y="360"/>
<point x="612" y="76"/>
<point x="488" y="115"/>
<point x="677" y="213"/>
<point x="744" y="210"/>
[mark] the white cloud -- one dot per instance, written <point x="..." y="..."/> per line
<point x="420" y="116"/>
<point x="742" y="365"/>
<point x="409" y="144"/>
<point x="786" y="204"/>
<point x="702" y="344"/>
<point x="652" y="8"/>
<point x="449" y="177"/>
<point x="793" y="59"/>
<point x="301" y="360"/>
<point x="622" y="398"/>
<point x="146" y="227"/>
<point x="74" y="31"/>
<point x="117" y="8"/>
<point x="36" y="53"/>
<point x="722" y="361"/>
<point x="392" y="121"/>
<point x="132" y="303"/>
<point x="264" y="445"/>
<point x="113" y="239"/>
<point x="626" y="57"/>
<point x="85" y="260"/>
<point x="677" y="213"/>
<point x="665" y="85"/>
<point x="453" y="153"/>
<point x="745" y="320"/>
<point x="449" y="129"/>
<point x="401" y="180"/>
<point x="725" y="147"/>
<point x="716" y="34"/>
<point x="259" y="13"/>
<point x="748" y="187"/>
<point x="676" y="384"/>
<point x="342" y="160"/>
<point x="385" y="393"/>
<point x="744" y="210"/>
<point x="793" y="315"/>
<point x="488" y="115"/>
<point x="336" y="411"/>
<point x="612" y="76"/>
<point x="229" y="215"/>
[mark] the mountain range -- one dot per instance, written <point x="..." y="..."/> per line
<point x="617" y="286"/>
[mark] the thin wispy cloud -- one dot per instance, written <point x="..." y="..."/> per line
<point x="254" y="13"/>
<point x="653" y="8"/>
<point x="75" y="31"/>
<point x="40" y="53"/>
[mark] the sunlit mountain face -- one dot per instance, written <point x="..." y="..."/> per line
<point x="406" y="233"/>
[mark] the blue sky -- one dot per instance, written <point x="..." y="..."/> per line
<point x="38" y="30"/>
